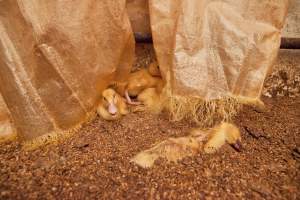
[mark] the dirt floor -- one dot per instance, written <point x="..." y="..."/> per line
<point x="94" y="163"/>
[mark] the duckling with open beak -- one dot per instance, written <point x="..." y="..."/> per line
<point x="138" y="82"/>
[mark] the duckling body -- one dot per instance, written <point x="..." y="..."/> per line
<point x="139" y="81"/>
<point x="175" y="149"/>
<point x="151" y="101"/>
<point x="154" y="70"/>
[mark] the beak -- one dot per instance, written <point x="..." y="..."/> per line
<point x="237" y="146"/>
<point x="127" y="96"/>
<point x="128" y="99"/>
<point x="112" y="109"/>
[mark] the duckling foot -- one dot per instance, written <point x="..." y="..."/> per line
<point x="138" y="108"/>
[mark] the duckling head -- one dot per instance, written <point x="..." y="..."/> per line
<point x="109" y="101"/>
<point x="233" y="136"/>
<point x="154" y="69"/>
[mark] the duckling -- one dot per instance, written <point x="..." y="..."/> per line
<point x="172" y="149"/>
<point x="151" y="101"/>
<point x="153" y="69"/>
<point x="119" y="87"/>
<point x="221" y="134"/>
<point x="175" y="149"/>
<point x="112" y="105"/>
<point x="138" y="82"/>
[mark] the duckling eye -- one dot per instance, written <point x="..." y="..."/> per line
<point x="104" y="99"/>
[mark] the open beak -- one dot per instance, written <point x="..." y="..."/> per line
<point x="237" y="146"/>
<point x="112" y="109"/>
<point x="129" y="101"/>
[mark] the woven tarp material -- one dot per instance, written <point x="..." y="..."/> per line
<point x="217" y="48"/>
<point x="6" y="127"/>
<point x="57" y="56"/>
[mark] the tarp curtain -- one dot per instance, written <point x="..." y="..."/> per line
<point x="217" y="48"/>
<point x="56" y="56"/>
<point x="6" y="127"/>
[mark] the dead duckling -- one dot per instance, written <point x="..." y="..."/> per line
<point x="112" y="105"/>
<point x="172" y="149"/>
<point x="221" y="134"/>
<point x="199" y="140"/>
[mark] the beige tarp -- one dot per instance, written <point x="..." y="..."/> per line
<point x="217" y="48"/>
<point x="138" y="12"/>
<point x="6" y="128"/>
<point x="56" y="57"/>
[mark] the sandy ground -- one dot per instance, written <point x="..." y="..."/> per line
<point x="94" y="163"/>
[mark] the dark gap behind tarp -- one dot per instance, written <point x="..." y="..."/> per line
<point x="290" y="43"/>
<point x="286" y="43"/>
<point x="143" y="38"/>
